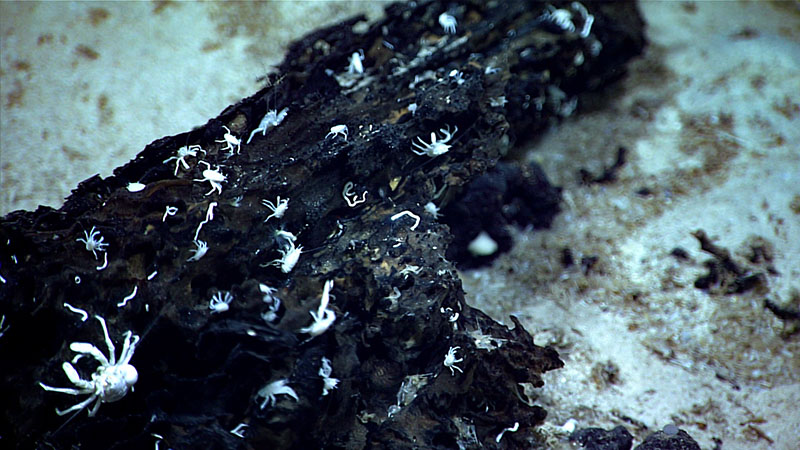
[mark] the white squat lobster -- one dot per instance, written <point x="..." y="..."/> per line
<point x="112" y="379"/>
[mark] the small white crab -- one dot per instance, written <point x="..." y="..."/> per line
<point x="432" y="209"/>
<point x="231" y="140"/>
<point x="338" y="130"/>
<point x="289" y="257"/>
<point x="92" y="243"/>
<point x="437" y="146"/>
<point x="199" y="252"/>
<point x="182" y="153"/>
<point x="278" y="208"/>
<point x="273" y="118"/>
<point x="450" y="360"/>
<point x="448" y="22"/>
<point x="356" y="63"/>
<point x="219" y="303"/>
<point x="215" y="177"/>
<point x="112" y="379"/>
<point x="277" y="387"/>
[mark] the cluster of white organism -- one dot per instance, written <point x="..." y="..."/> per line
<point x="562" y="18"/>
<point x="323" y="317"/>
<point x="110" y="381"/>
<point x="410" y="269"/>
<point x="93" y="244"/>
<point x="437" y="146"/>
<point x="452" y="316"/>
<point x="485" y="341"/>
<point x="273" y="118"/>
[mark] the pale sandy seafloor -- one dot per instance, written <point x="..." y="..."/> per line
<point x="710" y="116"/>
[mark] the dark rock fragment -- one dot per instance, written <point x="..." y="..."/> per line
<point x="398" y="303"/>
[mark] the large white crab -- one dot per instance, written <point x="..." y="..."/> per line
<point x="112" y="379"/>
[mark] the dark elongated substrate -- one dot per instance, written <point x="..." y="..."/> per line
<point x="199" y="373"/>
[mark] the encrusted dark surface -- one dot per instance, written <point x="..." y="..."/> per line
<point x="200" y="372"/>
<point x="599" y="439"/>
<point x="670" y="439"/>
